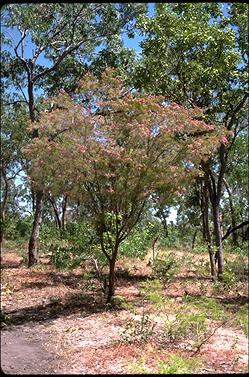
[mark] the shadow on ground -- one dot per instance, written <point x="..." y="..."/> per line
<point x="83" y="304"/>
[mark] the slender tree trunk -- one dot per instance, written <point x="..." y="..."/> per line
<point x="233" y="214"/>
<point x="111" y="285"/>
<point x="218" y="237"/>
<point x="64" y="212"/>
<point x="33" y="242"/>
<point x="4" y="207"/>
<point x="205" y="222"/>
<point x="34" y="237"/>
<point x="33" y="199"/>
<point x="57" y="217"/>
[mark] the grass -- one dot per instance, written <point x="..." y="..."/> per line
<point x="210" y="306"/>
<point x="174" y="364"/>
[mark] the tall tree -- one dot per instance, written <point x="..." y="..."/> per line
<point x="203" y="57"/>
<point x="58" y="33"/>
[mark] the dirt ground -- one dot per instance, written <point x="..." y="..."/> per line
<point x="56" y="322"/>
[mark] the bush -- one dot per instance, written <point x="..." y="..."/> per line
<point x="165" y="269"/>
<point x="242" y="318"/>
<point x="177" y="365"/>
<point x="139" y="328"/>
<point x="153" y="291"/>
<point x="70" y="248"/>
<point x="229" y="280"/>
<point x="16" y="228"/>
<point x="136" y="244"/>
<point x="185" y="325"/>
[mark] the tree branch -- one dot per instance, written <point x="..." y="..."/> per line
<point x="231" y="230"/>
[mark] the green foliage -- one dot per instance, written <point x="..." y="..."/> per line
<point x="137" y="243"/>
<point x="153" y="291"/>
<point x="238" y="268"/>
<point x="185" y="324"/>
<point x="210" y="306"/>
<point x="178" y="365"/>
<point x="78" y="243"/>
<point x="18" y="228"/>
<point x="229" y="280"/>
<point x="139" y="328"/>
<point x="242" y="318"/>
<point x="166" y="268"/>
<point x="175" y="364"/>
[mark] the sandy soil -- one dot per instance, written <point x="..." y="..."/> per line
<point x="57" y="323"/>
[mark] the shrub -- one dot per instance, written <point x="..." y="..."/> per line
<point x="185" y="325"/>
<point x="153" y="291"/>
<point x="137" y="244"/>
<point x="242" y="318"/>
<point x="177" y="365"/>
<point x="165" y="269"/>
<point x="139" y="328"/>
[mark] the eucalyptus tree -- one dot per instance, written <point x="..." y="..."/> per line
<point x="203" y="50"/>
<point x="38" y="40"/>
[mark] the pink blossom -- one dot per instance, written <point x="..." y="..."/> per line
<point x="224" y="140"/>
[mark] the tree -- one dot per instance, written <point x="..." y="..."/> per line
<point x="60" y="33"/>
<point x="203" y="58"/>
<point x="13" y="139"/>
<point x="113" y="150"/>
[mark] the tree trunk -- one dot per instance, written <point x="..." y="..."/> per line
<point x="218" y="237"/>
<point x="34" y="237"/>
<point x="64" y="212"/>
<point x="57" y="217"/>
<point x="4" y="207"/>
<point x="33" y="242"/>
<point x="233" y="214"/>
<point x="205" y="221"/>
<point x="111" y="285"/>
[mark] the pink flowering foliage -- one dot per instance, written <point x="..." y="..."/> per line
<point x="113" y="149"/>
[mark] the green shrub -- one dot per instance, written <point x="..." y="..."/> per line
<point x="210" y="306"/>
<point x="165" y="269"/>
<point x="242" y="318"/>
<point x="177" y="365"/>
<point x="185" y="325"/>
<point x="229" y="280"/>
<point x="153" y="291"/>
<point x="139" y="328"/>
<point x="137" y="244"/>
<point x="71" y="247"/>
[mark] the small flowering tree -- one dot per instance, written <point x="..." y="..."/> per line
<point x="113" y="149"/>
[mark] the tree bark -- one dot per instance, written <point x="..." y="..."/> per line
<point x="33" y="242"/>
<point x="232" y="230"/>
<point x="233" y="214"/>
<point x="38" y="194"/>
<point x="57" y="217"/>
<point x="205" y="222"/>
<point x="4" y="206"/>
<point x="111" y="285"/>
<point x="218" y="237"/>
<point x="64" y="212"/>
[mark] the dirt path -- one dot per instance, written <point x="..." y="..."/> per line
<point x="23" y="351"/>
